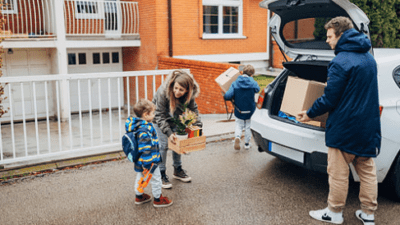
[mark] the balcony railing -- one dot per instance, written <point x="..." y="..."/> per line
<point x="101" y="18"/>
<point x="28" y="19"/>
<point x="89" y="18"/>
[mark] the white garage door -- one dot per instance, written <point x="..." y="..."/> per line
<point x="95" y="61"/>
<point x="27" y="62"/>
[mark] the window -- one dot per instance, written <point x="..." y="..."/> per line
<point x="106" y="57"/>
<point x="306" y="33"/>
<point x="115" y="57"/>
<point x="9" y="7"/>
<point x="82" y="58"/>
<point x="222" y="19"/>
<point x="96" y="58"/>
<point x="71" y="59"/>
<point x="88" y="10"/>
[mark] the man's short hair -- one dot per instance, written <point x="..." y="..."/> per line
<point x="143" y="106"/>
<point x="249" y="70"/>
<point x="339" y="24"/>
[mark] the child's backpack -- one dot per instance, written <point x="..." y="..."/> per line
<point x="130" y="145"/>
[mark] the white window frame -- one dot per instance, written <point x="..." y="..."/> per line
<point x="98" y="15"/>
<point x="13" y="11"/>
<point x="221" y="4"/>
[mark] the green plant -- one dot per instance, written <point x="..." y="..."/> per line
<point x="187" y="119"/>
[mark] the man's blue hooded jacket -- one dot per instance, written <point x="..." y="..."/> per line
<point x="242" y="92"/>
<point x="351" y="98"/>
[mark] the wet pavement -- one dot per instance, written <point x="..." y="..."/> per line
<point x="228" y="187"/>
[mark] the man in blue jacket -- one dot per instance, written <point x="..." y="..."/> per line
<point x="353" y="130"/>
<point x="242" y="92"/>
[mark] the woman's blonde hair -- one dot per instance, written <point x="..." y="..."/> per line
<point x="184" y="80"/>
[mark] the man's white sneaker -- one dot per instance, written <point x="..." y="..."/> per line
<point x="365" y="218"/>
<point x="237" y="143"/>
<point x="327" y="215"/>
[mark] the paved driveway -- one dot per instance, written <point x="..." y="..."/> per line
<point x="228" y="187"/>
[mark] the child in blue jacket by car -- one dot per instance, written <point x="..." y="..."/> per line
<point x="242" y="93"/>
<point x="148" y="147"/>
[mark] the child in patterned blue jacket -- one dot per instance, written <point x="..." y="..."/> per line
<point x="242" y="93"/>
<point x="149" y="149"/>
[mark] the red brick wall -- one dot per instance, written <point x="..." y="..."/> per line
<point x="187" y="17"/>
<point x="145" y="56"/>
<point x="210" y="100"/>
<point x="277" y="57"/>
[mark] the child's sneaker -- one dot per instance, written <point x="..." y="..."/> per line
<point x="365" y="218"/>
<point x="162" y="202"/>
<point x="327" y="215"/>
<point x="247" y="146"/>
<point x="141" y="199"/>
<point x="181" y="175"/>
<point x="237" y="144"/>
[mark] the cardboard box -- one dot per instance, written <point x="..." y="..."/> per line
<point x="316" y="123"/>
<point x="188" y="145"/>
<point x="300" y="94"/>
<point x="227" y="78"/>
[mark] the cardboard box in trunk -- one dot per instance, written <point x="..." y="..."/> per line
<point x="227" y="78"/>
<point x="300" y="94"/>
<point x="188" y="145"/>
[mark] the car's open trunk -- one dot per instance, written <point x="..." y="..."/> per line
<point x="309" y="70"/>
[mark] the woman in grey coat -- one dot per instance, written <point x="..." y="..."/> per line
<point x="178" y="89"/>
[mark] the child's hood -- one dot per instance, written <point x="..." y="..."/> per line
<point x="134" y="123"/>
<point x="245" y="82"/>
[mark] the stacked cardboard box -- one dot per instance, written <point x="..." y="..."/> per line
<point x="226" y="79"/>
<point x="300" y="94"/>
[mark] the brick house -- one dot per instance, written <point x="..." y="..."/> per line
<point x="207" y="36"/>
<point x="203" y="35"/>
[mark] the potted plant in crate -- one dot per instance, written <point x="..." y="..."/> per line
<point x="184" y="121"/>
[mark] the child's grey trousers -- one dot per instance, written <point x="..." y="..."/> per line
<point x="240" y="125"/>
<point x="155" y="182"/>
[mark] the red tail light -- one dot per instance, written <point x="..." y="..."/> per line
<point x="380" y="110"/>
<point x="260" y="99"/>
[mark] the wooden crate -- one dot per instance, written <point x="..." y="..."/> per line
<point x="188" y="145"/>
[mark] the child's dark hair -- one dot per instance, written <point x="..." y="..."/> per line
<point x="249" y="70"/>
<point x="143" y="106"/>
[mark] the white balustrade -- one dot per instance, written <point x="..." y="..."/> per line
<point x="33" y="130"/>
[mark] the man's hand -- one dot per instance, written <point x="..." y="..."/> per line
<point x="173" y="138"/>
<point x="303" y="117"/>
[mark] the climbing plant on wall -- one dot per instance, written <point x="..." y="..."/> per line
<point x="2" y="98"/>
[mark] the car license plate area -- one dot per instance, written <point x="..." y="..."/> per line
<point x="287" y="152"/>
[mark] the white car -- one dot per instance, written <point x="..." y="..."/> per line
<point x="304" y="144"/>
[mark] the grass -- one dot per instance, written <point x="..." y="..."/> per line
<point x="263" y="80"/>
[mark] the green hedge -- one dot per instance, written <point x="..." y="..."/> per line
<point x="384" y="16"/>
<point x="385" y="21"/>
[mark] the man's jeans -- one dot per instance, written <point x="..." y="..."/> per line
<point x="163" y="142"/>
<point x="338" y="170"/>
<point x="155" y="182"/>
<point x="240" y="125"/>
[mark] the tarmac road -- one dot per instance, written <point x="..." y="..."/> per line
<point x="228" y="187"/>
